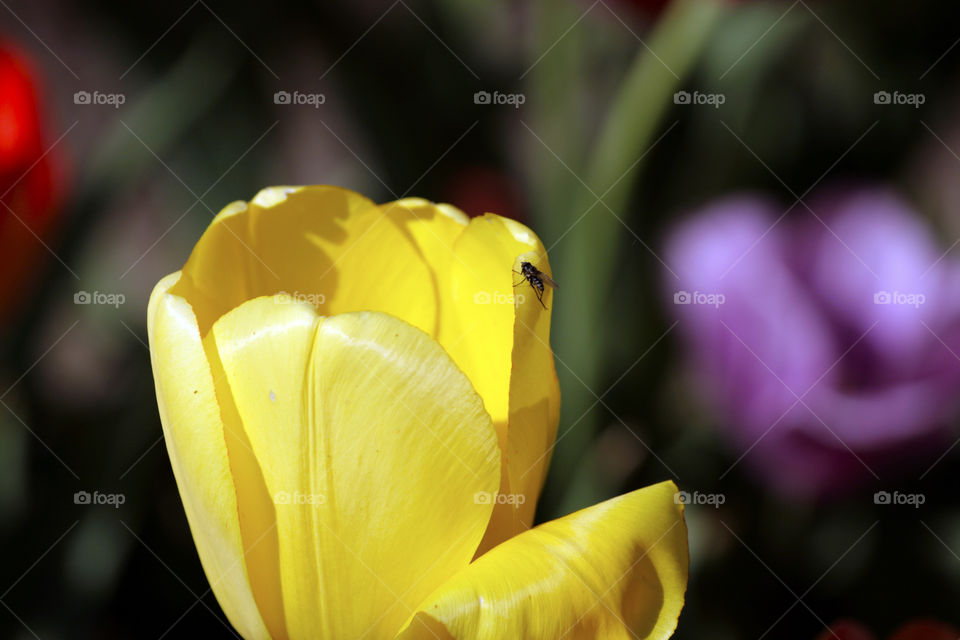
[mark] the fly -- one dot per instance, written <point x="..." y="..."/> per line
<point x="537" y="279"/>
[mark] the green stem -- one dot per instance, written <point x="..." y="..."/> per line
<point x="554" y="79"/>
<point x="587" y="256"/>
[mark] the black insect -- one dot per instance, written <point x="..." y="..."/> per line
<point x="537" y="279"/>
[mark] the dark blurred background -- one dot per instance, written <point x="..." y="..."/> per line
<point x="187" y="113"/>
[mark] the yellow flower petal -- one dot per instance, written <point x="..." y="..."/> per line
<point x="324" y="245"/>
<point x="195" y="442"/>
<point x="433" y="228"/>
<point x="422" y="263"/>
<point x="615" y="570"/>
<point x="498" y="333"/>
<point x="373" y="445"/>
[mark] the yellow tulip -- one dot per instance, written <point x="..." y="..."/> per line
<point x="359" y="408"/>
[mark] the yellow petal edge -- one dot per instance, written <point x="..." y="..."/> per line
<point x="617" y="569"/>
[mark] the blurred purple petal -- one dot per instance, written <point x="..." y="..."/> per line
<point x="828" y="337"/>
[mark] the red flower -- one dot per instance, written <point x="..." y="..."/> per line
<point x="28" y="194"/>
<point x="925" y="630"/>
<point x="656" y="7"/>
<point x="652" y="7"/>
<point x="478" y="190"/>
<point x="846" y="630"/>
<point x="914" y="630"/>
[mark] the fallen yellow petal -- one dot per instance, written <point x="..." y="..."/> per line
<point x="614" y="570"/>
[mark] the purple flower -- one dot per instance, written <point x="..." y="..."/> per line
<point x="828" y="338"/>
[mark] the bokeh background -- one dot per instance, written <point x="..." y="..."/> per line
<point x="124" y="128"/>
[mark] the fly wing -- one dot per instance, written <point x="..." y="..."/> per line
<point x="548" y="280"/>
